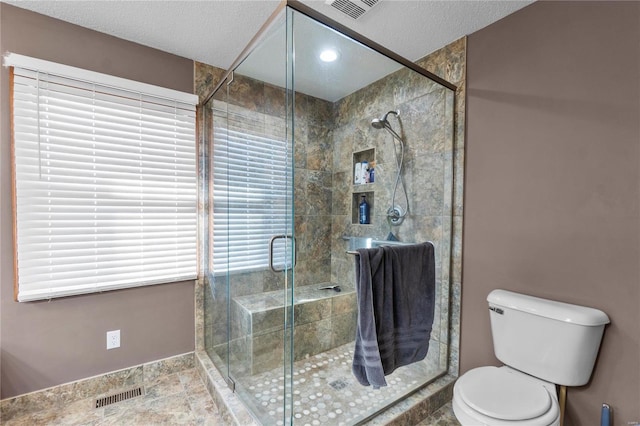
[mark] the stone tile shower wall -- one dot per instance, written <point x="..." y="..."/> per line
<point x="433" y="172"/>
<point x="426" y="126"/>
<point x="326" y="137"/>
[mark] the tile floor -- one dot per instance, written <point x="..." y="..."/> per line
<point x="176" y="399"/>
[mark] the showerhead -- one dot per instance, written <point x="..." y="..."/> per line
<point x="377" y="123"/>
<point x="381" y="123"/>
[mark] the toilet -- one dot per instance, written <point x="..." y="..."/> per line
<point x="542" y="343"/>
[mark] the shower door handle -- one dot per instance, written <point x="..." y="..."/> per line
<point x="295" y="251"/>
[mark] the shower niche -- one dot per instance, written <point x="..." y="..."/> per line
<point x="283" y="133"/>
<point x="363" y="184"/>
<point x="355" y="207"/>
<point x="363" y="163"/>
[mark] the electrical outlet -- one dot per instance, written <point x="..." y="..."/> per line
<point x="113" y="339"/>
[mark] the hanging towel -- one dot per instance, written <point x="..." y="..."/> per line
<point x="395" y="287"/>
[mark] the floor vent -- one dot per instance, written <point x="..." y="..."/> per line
<point x="353" y="8"/>
<point x="119" y="397"/>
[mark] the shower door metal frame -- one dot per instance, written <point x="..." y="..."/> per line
<point x="317" y="16"/>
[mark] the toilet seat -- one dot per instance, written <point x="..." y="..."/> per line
<point x="503" y="396"/>
<point x="498" y="393"/>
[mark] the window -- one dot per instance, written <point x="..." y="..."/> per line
<point x="251" y="191"/>
<point x="105" y="181"/>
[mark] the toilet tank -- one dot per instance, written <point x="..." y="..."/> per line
<point x="554" y="341"/>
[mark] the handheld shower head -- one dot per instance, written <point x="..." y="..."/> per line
<point x="378" y="123"/>
<point x="395" y="214"/>
<point x="381" y="123"/>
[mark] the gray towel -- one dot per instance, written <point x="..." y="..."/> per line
<point x="395" y="286"/>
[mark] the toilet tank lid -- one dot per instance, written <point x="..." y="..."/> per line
<point x="552" y="309"/>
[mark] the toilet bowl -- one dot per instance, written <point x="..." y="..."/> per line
<point x="502" y="396"/>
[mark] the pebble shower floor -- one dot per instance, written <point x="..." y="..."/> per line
<point x="326" y="392"/>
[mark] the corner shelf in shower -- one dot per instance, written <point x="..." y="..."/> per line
<point x="358" y="190"/>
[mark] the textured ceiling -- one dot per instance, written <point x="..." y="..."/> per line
<point x="216" y="31"/>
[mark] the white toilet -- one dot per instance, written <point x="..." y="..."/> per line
<point x="542" y="343"/>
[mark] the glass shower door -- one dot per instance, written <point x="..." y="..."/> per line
<point x="253" y="232"/>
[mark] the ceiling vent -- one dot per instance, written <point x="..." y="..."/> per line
<point x="353" y="8"/>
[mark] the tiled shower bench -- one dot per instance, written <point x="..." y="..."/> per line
<point x="323" y="319"/>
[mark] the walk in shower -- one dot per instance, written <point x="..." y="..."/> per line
<point x="291" y="144"/>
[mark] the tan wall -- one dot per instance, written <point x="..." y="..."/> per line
<point x="552" y="185"/>
<point x="48" y="343"/>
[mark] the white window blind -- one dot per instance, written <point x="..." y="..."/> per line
<point x="105" y="181"/>
<point x="252" y="194"/>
